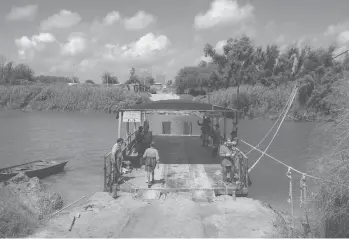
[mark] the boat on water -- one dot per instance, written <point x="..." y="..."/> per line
<point x="38" y="168"/>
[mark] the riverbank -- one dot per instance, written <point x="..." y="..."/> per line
<point x="59" y="97"/>
<point x="265" y="102"/>
<point x="24" y="205"/>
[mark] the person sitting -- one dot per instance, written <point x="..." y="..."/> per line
<point x="151" y="156"/>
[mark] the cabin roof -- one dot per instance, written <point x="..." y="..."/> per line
<point x="176" y="105"/>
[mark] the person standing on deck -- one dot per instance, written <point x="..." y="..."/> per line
<point x="216" y="136"/>
<point x="151" y="156"/>
<point x="205" y="129"/>
<point x="117" y="158"/>
<point x="234" y="133"/>
<point x="227" y="154"/>
<point x="139" y="139"/>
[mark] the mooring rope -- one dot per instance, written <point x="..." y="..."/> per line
<point x="296" y="170"/>
<point x="277" y="130"/>
<point x="277" y="120"/>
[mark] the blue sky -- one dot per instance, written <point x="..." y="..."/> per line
<point x="88" y="37"/>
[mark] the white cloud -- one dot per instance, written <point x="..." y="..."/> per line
<point x="111" y="18"/>
<point x="76" y="44"/>
<point x="342" y="41"/>
<point x="147" y="46"/>
<point x="63" y="19"/>
<point x="139" y="21"/>
<point x="224" y="12"/>
<point x="343" y="37"/>
<point x="219" y="46"/>
<point x="28" y="46"/>
<point x="337" y="28"/>
<point x="27" y="12"/>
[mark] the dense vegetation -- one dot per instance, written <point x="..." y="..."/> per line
<point x="20" y="88"/>
<point x="266" y="76"/>
<point x="330" y="153"/>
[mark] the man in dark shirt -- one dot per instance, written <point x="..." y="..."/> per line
<point x="216" y="136"/>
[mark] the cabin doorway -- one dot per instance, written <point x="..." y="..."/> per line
<point x="188" y="128"/>
<point x="166" y="127"/>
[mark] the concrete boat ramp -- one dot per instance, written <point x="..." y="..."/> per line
<point x="163" y="212"/>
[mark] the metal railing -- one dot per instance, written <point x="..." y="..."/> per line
<point x="110" y="173"/>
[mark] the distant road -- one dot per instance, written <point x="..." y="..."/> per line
<point x="163" y="96"/>
<point x="169" y="96"/>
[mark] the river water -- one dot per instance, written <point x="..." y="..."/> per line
<point x="83" y="139"/>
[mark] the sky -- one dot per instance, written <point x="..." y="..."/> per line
<point x="85" y="38"/>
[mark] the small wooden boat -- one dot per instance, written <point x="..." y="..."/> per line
<point x="38" y="168"/>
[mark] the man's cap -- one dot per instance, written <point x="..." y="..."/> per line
<point x="120" y="140"/>
<point x="140" y="127"/>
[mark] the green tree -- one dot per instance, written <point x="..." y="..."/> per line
<point x="235" y="61"/>
<point x="134" y="79"/>
<point x="149" y="80"/>
<point x="169" y="83"/>
<point x="108" y="78"/>
<point x="90" y="82"/>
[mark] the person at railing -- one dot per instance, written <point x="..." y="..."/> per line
<point x="216" y="137"/>
<point x="151" y="156"/>
<point x="116" y="159"/>
<point x="228" y="152"/>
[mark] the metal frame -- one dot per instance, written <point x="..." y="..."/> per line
<point x="130" y="135"/>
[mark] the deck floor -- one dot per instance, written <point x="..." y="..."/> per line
<point x="185" y="166"/>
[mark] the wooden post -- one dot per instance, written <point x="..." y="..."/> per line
<point x="120" y="123"/>
<point x="290" y="200"/>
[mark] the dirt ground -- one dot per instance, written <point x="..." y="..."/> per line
<point x="174" y="216"/>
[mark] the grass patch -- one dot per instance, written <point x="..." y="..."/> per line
<point x="68" y="98"/>
<point x="16" y="220"/>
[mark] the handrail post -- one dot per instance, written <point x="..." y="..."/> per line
<point x="120" y="123"/>
<point x="246" y="179"/>
<point x="111" y="178"/>
<point x="105" y="174"/>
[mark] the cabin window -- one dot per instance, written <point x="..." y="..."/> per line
<point x="166" y="127"/>
<point x="188" y="128"/>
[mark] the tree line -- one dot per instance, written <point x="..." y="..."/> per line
<point x="12" y="74"/>
<point x="243" y="63"/>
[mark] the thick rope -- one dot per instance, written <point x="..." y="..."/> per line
<point x="296" y="170"/>
<point x="277" y="130"/>
<point x="277" y="120"/>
